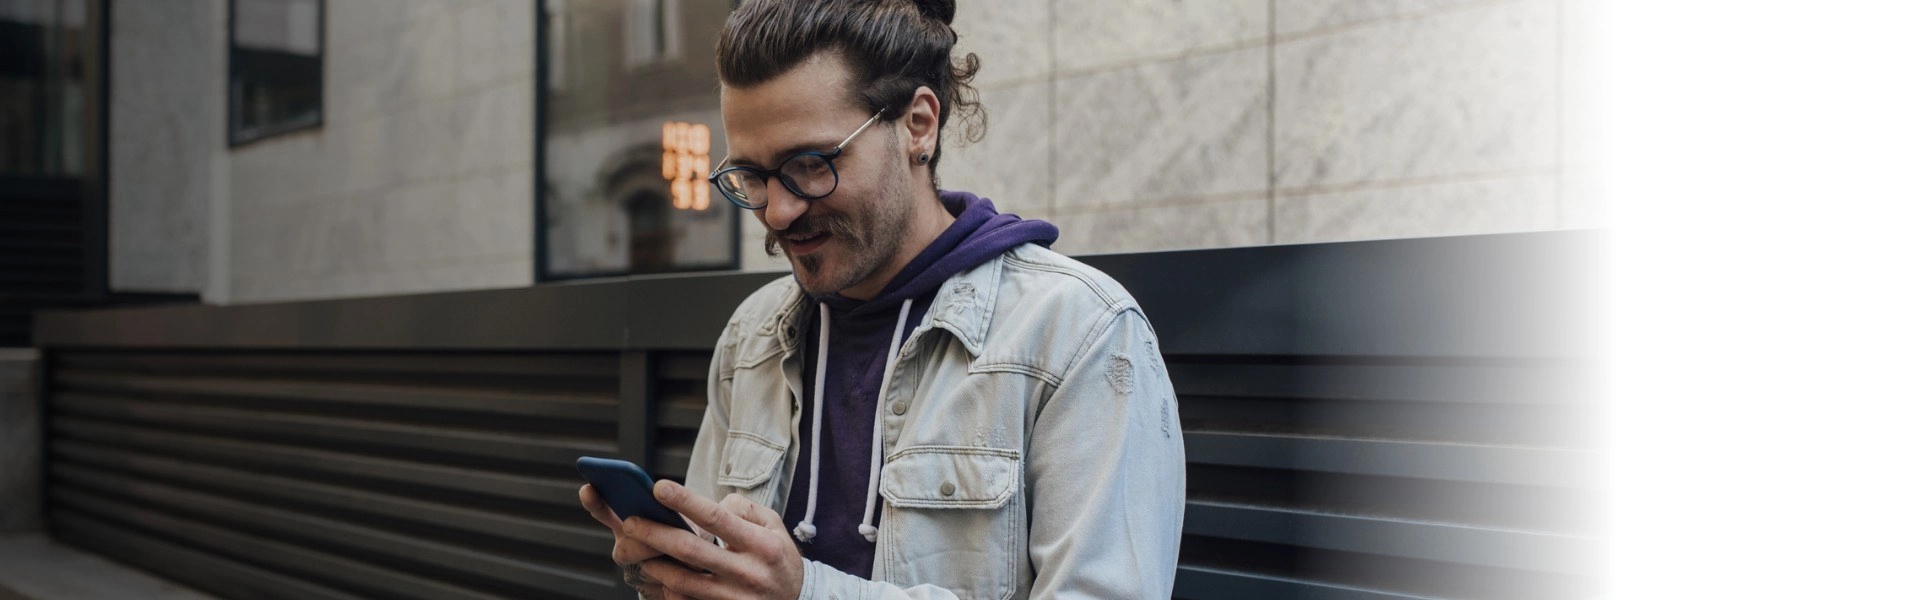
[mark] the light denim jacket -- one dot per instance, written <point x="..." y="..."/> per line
<point x="1031" y="438"/>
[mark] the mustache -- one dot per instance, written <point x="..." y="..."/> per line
<point x="839" y="226"/>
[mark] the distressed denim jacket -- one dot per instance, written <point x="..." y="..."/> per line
<point x="1031" y="439"/>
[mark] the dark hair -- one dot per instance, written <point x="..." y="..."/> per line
<point x="891" y="47"/>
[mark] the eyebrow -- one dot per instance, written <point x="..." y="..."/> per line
<point x="785" y="153"/>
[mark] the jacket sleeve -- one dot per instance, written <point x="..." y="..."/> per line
<point x="1106" y="480"/>
<point x="1107" y="472"/>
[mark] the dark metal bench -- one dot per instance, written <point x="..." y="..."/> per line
<point x="1389" y="419"/>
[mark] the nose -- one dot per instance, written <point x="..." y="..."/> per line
<point x="783" y="207"/>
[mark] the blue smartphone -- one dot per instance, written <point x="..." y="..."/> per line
<point x="627" y="490"/>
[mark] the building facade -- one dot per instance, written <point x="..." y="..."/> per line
<point x="468" y="144"/>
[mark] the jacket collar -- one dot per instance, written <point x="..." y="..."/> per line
<point x="963" y="307"/>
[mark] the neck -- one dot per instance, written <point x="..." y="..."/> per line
<point x="923" y="227"/>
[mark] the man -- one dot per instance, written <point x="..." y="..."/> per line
<point x="935" y="405"/>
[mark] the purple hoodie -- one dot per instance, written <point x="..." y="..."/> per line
<point x="858" y="338"/>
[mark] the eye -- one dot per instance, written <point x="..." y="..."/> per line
<point x="806" y="165"/>
<point x="817" y="165"/>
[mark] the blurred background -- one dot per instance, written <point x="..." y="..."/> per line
<point x="264" y="150"/>
<point x="318" y="298"/>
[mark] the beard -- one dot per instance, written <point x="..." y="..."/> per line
<point x="868" y="238"/>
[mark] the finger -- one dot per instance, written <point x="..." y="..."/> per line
<point x="679" y="579"/>
<point x="709" y="515"/>
<point x="590" y="500"/>
<point x="685" y="546"/>
<point x="628" y="549"/>
<point x="753" y="512"/>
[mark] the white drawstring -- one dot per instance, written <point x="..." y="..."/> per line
<point x="879" y="407"/>
<point x="806" y="531"/>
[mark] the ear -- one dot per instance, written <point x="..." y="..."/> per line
<point x="923" y="125"/>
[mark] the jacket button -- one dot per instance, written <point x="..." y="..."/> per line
<point x="727" y="470"/>
<point x="899" y="407"/>
<point x="946" y="489"/>
<point x="791" y="333"/>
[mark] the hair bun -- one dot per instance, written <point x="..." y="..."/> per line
<point x="941" y="10"/>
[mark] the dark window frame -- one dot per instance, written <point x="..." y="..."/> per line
<point x="234" y="140"/>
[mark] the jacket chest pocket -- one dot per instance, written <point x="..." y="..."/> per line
<point x="954" y="518"/>
<point x="747" y="463"/>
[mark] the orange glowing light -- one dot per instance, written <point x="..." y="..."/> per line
<point x="684" y="162"/>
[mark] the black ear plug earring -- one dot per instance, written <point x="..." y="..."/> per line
<point x="924" y="158"/>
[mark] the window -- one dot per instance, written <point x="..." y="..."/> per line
<point x="629" y="125"/>
<point x="273" y="67"/>
<point x="48" y="56"/>
<point x="52" y="159"/>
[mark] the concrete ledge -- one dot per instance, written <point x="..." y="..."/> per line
<point x="33" y="567"/>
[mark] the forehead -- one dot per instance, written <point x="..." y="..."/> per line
<point x="808" y="104"/>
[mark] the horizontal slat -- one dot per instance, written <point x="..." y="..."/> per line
<point x="514" y="446"/>
<point x="1534" y="425"/>
<point x="1518" y="383"/>
<point x="590" y="538"/>
<point x="1393" y="537"/>
<point x="228" y="578"/>
<point x="684" y="366"/>
<point x="265" y="551"/>
<point x="280" y="523"/>
<point x="1206" y="583"/>
<point x="681" y="411"/>
<point x="673" y="460"/>
<point x="545" y="365"/>
<point x="549" y="405"/>
<point x="1459" y="462"/>
<point x="556" y="491"/>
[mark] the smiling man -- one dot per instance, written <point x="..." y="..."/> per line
<point x="934" y="405"/>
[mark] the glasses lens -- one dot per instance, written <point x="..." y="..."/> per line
<point x="743" y="188"/>
<point x="809" y="175"/>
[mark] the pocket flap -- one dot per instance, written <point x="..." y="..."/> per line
<point x="950" y="477"/>
<point x="748" y="460"/>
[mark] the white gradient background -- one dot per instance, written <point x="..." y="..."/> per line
<point x="1760" y="167"/>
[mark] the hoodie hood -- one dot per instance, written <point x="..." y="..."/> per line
<point x="978" y="234"/>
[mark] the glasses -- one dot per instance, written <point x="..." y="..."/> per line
<point x="809" y="175"/>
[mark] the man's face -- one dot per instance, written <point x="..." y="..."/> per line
<point x="848" y="236"/>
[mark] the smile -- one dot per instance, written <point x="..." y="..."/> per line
<point x="806" y="245"/>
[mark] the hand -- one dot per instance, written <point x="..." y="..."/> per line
<point x="759" y="560"/>
<point x="628" y="552"/>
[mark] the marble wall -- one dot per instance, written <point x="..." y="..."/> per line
<point x="421" y="177"/>
<point x="1134" y="125"/>
<point x="1157" y="124"/>
<point x="162" y="134"/>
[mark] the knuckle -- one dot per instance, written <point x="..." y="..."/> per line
<point x="715" y="513"/>
<point x="674" y="546"/>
